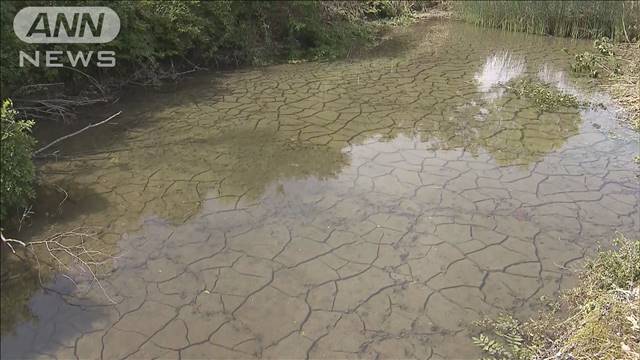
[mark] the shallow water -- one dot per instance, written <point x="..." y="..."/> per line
<point x="365" y="208"/>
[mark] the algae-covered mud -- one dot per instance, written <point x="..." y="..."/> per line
<point x="370" y="208"/>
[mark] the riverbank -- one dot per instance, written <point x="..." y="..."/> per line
<point x="597" y="319"/>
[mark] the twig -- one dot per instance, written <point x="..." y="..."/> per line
<point x="75" y="133"/>
<point x="66" y="196"/>
<point x="25" y="214"/>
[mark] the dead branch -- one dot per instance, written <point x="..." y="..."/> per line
<point x="88" y="260"/>
<point x="46" y="109"/>
<point x="76" y="133"/>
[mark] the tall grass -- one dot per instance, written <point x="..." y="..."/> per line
<point x="617" y="20"/>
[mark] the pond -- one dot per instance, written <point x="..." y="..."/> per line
<point x="372" y="207"/>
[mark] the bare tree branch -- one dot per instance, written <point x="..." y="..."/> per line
<point x="89" y="260"/>
<point x="76" y="133"/>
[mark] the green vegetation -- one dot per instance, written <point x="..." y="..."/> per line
<point x="158" y="36"/>
<point x="17" y="173"/>
<point x="507" y="339"/>
<point x="600" y="318"/>
<point x="618" y="20"/>
<point x="545" y="96"/>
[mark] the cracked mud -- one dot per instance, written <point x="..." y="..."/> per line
<point x="364" y="209"/>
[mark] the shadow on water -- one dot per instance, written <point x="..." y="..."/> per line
<point x="42" y="321"/>
<point x="260" y="158"/>
<point x="39" y="320"/>
<point x="22" y="296"/>
<point x="19" y="283"/>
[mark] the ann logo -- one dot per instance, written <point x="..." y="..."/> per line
<point x="76" y="27"/>
<point x="66" y="24"/>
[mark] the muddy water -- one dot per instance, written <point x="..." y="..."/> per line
<point x="367" y="208"/>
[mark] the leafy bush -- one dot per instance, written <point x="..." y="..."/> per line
<point x="17" y="170"/>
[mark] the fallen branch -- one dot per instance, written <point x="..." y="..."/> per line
<point x="76" y="133"/>
<point x="89" y="260"/>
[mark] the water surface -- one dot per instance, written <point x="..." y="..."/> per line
<point x="357" y="209"/>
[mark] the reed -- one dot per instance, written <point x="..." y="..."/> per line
<point x="617" y="20"/>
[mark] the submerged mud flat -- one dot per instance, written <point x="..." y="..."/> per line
<point x="366" y="208"/>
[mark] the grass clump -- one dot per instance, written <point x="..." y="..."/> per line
<point x="618" y="20"/>
<point x="545" y="96"/>
<point x="598" y="319"/>
<point x="614" y="269"/>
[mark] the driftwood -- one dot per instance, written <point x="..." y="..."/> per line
<point x="56" y="141"/>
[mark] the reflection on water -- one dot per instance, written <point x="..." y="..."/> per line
<point x="370" y="208"/>
<point x="548" y="74"/>
<point x="499" y="69"/>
